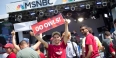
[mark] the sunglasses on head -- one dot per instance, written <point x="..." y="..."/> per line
<point x="82" y="29"/>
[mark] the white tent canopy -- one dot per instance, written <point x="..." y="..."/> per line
<point x="4" y="16"/>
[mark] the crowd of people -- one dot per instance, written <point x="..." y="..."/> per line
<point x="62" y="46"/>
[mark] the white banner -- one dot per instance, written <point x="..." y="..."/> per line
<point x="32" y="4"/>
<point x="24" y="26"/>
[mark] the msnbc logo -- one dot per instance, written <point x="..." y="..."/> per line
<point x="68" y="1"/>
<point x="20" y="7"/>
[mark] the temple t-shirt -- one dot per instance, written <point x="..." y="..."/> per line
<point x="58" y="51"/>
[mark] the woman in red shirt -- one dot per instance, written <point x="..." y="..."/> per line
<point x="9" y="49"/>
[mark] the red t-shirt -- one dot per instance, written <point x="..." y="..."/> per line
<point x="111" y="49"/>
<point x="58" y="51"/>
<point x="41" y="55"/>
<point x="91" y="41"/>
<point x="12" y="55"/>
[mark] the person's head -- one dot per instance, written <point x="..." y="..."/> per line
<point x="115" y="22"/>
<point x="91" y="30"/>
<point x="56" y="37"/>
<point x="68" y="37"/>
<point x="107" y="34"/>
<point x="9" y="48"/>
<point x="84" y="29"/>
<point x="74" y="31"/>
<point x="23" y="44"/>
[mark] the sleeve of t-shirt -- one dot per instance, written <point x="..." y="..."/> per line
<point x="63" y="45"/>
<point x="88" y="40"/>
<point x="111" y="48"/>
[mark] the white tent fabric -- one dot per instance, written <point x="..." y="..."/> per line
<point x="4" y="16"/>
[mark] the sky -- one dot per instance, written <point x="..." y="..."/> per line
<point x="3" y="5"/>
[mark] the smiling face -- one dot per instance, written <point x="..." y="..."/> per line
<point x="56" y="39"/>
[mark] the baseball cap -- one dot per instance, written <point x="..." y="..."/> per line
<point x="56" y="32"/>
<point x="9" y="45"/>
<point x="26" y="39"/>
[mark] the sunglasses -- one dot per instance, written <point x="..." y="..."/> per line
<point x="82" y="29"/>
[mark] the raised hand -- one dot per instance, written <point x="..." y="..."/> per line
<point x="39" y="38"/>
<point x="67" y="21"/>
<point x="31" y="33"/>
<point x="13" y="33"/>
<point x="40" y="35"/>
<point x="14" y="40"/>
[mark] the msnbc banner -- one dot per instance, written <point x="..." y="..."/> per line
<point x="47" y="24"/>
<point x="33" y="4"/>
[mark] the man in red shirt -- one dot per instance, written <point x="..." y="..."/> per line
<point x="9" y="49"/>
<point x="58" y="50"/>
<point x="91" y="48"/>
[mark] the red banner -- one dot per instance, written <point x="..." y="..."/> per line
<point x="47" y="24"/>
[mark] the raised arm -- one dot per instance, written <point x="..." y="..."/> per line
<point x="40" y="39"/>
<point x="14" y="40"/>
<point x="66" y="33"/>
<point x="36" y="45"/>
